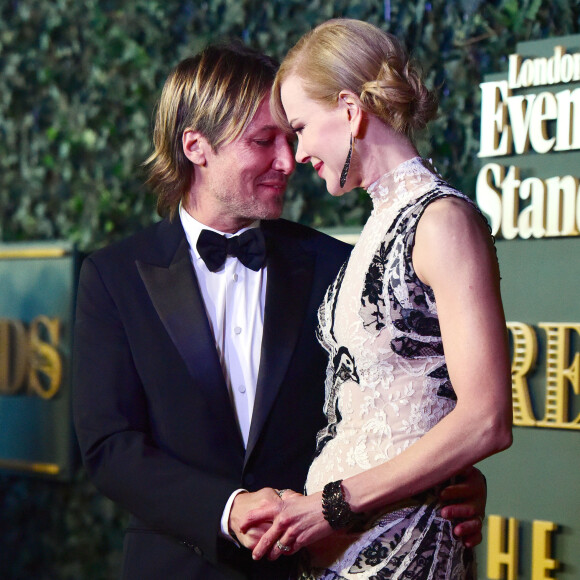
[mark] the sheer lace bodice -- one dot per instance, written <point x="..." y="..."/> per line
<point x="386" y="385"/>
<point x="387" y="382"/>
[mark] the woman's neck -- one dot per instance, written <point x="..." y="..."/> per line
<point x="379" y="150"/>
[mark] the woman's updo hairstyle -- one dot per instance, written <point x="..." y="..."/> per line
<point x="345" y="54"/>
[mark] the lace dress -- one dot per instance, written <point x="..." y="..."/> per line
<point x="386" y="386"/>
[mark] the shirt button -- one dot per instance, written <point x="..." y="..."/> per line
<point x="237" y="330"/>
<point x="235" y="277"/>
<point x="242" y="389"/>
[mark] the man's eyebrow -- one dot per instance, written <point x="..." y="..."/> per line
<point x="267" y="128"/>
<point x="264" y="129"/>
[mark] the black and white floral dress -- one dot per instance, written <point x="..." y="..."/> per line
<point x="386" y="386"/>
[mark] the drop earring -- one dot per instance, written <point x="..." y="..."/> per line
<point x="346" y="167"/>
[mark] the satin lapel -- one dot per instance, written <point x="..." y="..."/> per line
<point x="285" y="311"/>
<point x="176" y="296"/>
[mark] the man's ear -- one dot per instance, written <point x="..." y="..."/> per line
<point x="353" y="109"/>
<point x="195" y="146"/>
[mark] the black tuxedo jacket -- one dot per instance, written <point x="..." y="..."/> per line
<point x="156" y="427"/>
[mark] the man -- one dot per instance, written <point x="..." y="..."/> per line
<point x="197" y="380"/>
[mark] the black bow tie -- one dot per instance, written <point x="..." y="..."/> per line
<point x="249" y="248"/>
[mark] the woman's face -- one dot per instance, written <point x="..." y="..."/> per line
<point x="323" y="133"/>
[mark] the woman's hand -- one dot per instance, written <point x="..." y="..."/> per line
<point x="299" y="523"/>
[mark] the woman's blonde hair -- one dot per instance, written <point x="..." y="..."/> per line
<point x="216" y="93"/>
<point x="344" y="54"/>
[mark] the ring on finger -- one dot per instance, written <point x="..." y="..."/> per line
<point x="280" y="492"/>
<point x="282" y="547"/>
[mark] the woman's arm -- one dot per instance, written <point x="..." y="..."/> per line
<point x="454" y="255"/>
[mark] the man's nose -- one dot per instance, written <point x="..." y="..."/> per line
<point x="284" y="160"/>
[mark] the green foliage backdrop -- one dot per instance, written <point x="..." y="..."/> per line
<point x="78" y="83"/>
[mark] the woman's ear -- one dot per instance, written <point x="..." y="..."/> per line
<point x="195" y="146"/>
<point x="355" y="113"/>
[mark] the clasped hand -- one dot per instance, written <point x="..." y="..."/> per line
<point x="273" y="526"/>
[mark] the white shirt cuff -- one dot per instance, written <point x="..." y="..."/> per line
<point x="225" y="528"/>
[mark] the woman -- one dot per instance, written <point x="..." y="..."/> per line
<point x="418" y="384"/>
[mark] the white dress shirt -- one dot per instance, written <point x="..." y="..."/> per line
<point x="234" y="297"/>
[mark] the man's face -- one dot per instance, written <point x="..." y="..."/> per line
<point x="246" y="179"/>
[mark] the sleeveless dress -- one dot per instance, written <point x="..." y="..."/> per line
<point x="386" y="385"/>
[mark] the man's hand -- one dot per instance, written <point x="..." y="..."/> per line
<point x="465" y="503"/>
<point x="267" y="500"/>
